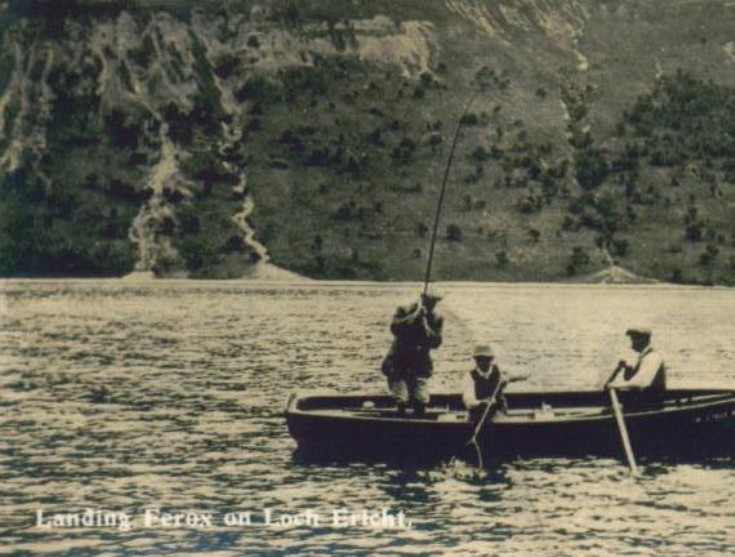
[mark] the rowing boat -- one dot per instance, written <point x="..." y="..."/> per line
<point x="683" y="423"/>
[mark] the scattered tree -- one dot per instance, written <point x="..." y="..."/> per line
<point x="454" y="233"/>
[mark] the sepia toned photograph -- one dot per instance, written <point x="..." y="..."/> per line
<point x="367" y="277"/>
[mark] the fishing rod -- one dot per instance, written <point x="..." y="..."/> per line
<point x="427" y="277"/>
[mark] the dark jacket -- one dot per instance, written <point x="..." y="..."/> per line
<point x="415" y="334"/>
<point x="485" y="387"/>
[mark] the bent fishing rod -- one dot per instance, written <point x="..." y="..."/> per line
<point x="440" y="202"/>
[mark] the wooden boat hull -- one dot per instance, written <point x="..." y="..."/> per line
<point x="684" y="424"/>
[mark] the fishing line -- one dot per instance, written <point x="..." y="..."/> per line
<point x="442" y="191"/>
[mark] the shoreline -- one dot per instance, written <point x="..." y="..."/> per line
<point x="270" y="274"/>
<point x="349" y="284"/>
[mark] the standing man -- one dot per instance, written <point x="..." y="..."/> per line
<point x="416" y="329"/>
<point x="648" y="373"/>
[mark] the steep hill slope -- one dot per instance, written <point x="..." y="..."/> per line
<point x="196" y="139"/>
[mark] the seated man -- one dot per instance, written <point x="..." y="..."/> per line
<point x="485" y="382"/>
<point x="647" y="374"/>
<point x="416" y="329"/>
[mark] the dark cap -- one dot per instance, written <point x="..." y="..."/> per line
<point x="639" y="332"/>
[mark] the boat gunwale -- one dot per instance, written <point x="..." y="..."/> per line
<point x="713" y="398"/>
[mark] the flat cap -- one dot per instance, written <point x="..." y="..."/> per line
<point x="639" y="332"/>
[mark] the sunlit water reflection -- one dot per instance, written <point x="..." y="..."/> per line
<point x="169" y="395"/>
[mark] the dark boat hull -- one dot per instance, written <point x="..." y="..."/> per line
<point x="685" y="424"/>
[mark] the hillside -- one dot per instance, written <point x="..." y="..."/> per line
<point x="197" y="139"/>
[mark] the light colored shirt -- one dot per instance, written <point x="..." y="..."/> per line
<point x="648" y="364"/>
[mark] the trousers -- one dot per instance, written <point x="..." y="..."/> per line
<point x="409" y="389"/>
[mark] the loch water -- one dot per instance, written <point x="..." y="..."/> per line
<point x="139" y="401"/>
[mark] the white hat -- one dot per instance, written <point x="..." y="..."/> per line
<point x="483" y="351"/>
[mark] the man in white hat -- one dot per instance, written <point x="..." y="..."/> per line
<point x="485" y="382"/>
<point x="417" y="330"/>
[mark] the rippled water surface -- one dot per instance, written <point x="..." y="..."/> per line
<point x="124" y="397"/>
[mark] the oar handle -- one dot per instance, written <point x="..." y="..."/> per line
<point x="491" y="403"/>
<point x="481" y="422"/>
<point x="614" y="374"/>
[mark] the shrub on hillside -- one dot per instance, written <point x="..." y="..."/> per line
<point x="259" y="89"/>
<point x="454" y="233"/>
<point x="578" y="258"/>
<point x="590" y="168"/>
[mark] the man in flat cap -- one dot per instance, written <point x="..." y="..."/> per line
<point x="484" y="384"/>
<point x="417" y="329"/>
<point x="647" y="373"/>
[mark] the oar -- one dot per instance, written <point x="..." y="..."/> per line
<point x="473" y="441"/>
<point x="623" y="431"/>
<point x="491" y="403"/>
